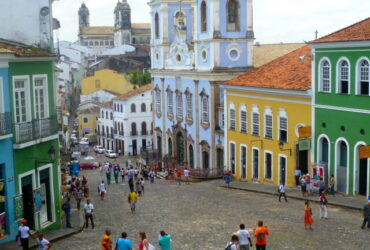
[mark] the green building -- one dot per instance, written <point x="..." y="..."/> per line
<point x="341" y="106"/>
<point x="35" y="135"/>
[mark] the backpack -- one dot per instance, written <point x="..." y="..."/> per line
<point x="229" y="246"/>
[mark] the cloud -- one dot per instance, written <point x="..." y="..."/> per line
<point x="274" y="21"/>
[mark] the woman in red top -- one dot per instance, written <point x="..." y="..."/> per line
<point x="308" y="220"/>
<point x="144" y="244"/>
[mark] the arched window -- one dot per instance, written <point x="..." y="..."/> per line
<point x="143" y="107"/>
<point x="342" y="158"/>
<point x="233" y="15"/>
<point x="102" y="130"/>
<point x="232" y="117"/>
<point x="106" y="115"/>
<point x="133" y="108"/>
<point x="179" y="104"/>
<point x="205" y="111"/>
<point x="102" y="114"/>
<point x="203" y="16"/>
<point x="243" y="119"/>
<point x="191" y="156"/>
<point x="364" y="77"/>
<point x="111" y="115"/>
<point x="143" y="128"/>
<point x="343" y="77"/>
<point x="133" y="129"/>
<point x="325" y="76"/>
<point x="156" y="25"/>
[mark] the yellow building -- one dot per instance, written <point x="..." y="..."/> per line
<point x="266" y="112"/>
<point x="106" y="79"/>
<point x="87" y="119"/>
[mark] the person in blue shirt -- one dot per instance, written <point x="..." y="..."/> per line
<point x="164" y="241"/>
<point x="67" y="210"/>
<point x="123" y="243"/>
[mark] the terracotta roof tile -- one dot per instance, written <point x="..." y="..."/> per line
<point x="97" y="30"/>
<point x="140" y="26"/>
<point x="359" y="31"/>
<point x="106" y="104"/>
<point x="135" y="92"/>
<point x="286" y="72"/>
<point x="22" y="50"/>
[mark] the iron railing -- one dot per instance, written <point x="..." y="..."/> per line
<point x="36" y="129"/>
<point x="121" y="133"/>
<point x="133" y="133"/>
<point x="5" y="123"/>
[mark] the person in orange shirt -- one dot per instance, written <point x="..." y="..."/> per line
<point x="261" y="236"/>
<point x="106" y="243"/>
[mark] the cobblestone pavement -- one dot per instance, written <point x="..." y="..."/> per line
<point x="203" y="215"/>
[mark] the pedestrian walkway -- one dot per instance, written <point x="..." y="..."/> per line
<point x="53" y="235"/>
<point x="295" y="193"/>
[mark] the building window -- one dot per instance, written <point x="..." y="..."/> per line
<point x="143" y="107"/>
<point x="268" y="165"/>
<point x="111" y="115"/>
<point x="121" y="108"/>
<point x="232" y="157"/>
<point x="40" y="97"/>
<point x="133" y="129"/>
<point x="255" y="162"/>
<point x="102" y="114"/>
<point x="243" y="119"/>
<point x="283" y="128"/>
<point x="133" y="108"/>
<point x="364" y="78"/>
<point x="325" y="76"/>
<point x="343" y="154"/>
<point x="91" y="43"/>
<point x="86" y="43"/>
<point x="158" y="101"/>
<point x="268" y="124"/>
<point x="343" y="81"/>
<point x="114" y="107"/>
<point x="255" y="122"/>
<point x="156" y="24"/>
<point x="169" y="103"/>
<point x="179" y="105"/>
<point x="189" y="106"/>
<point x="106" y="115"/>
<point x="205" y="112"/>
<point x="96" y="43"/>
<point x="86" y="120"/>
<point x="232" y="118"/>
<point x="203" y="16"/>
<point x="20" y="100"/>
<point x="233" y="15"/>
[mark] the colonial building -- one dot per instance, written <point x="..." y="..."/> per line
<point x="123" y="32"/>
<point x="266" y="110"/>
<point x="105" y="126"/>
<point x="341" y="69"/>
<point x="194" y="45"/>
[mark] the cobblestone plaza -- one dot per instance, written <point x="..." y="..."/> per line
<point x="203" y="215"/>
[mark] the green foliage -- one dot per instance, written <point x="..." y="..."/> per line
<point x="139" y="78"/>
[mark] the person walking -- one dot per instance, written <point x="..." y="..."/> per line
<point x="178" y="176"/>
<point x="108" y="173"/>
<point x="85" y="187"/>
<point x="164" y="240"/>
<point x="186" y="175"/>
<point x="142" y="183"/>
<point x="25" y="234"/>
<point x="308" y="220"/>
<point x="132" y="199"/>
<point x="43" y="243"/>
<point x="143" y="244"/>
<point x="303" y="186"/>
<point x="123" y="173"/>
<point x="366" y="212"/>
<point x="151" y="176"/>
<point x="123" y="243"/>
<point x="102" y="190"/>
<point x="116" y="173"/>
<point x="308" y="184"/>
<point x="332" y="185"/>
<point x="106" y="243"/>
<point x="78" y="197"/>
<point x="138" y="187"/>
<point x="261" y="236"/>
<point x="233" y="244"/>
<point x="323" y="205"/>
<point x="244" y="238"/>
<point x="297" y="175"/>
<point x="321" y="185"/>
<point x="67" y="211"/>
<point x="89" y="210"/>
<point x="282" y="192"/>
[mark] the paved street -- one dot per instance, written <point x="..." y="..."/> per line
<point x="203" y="216"/>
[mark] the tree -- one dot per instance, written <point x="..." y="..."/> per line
<point x="138" y="78"/>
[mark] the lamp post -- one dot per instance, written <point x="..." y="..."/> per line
<point x="281" y="147"/>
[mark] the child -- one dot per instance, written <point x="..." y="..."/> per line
<point x="138" y="187"/>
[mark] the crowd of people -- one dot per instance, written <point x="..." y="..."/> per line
<point x="241" y="240"/>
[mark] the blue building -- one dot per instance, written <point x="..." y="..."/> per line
<point x="8" y="225"/>
<point x="196" y="44"/>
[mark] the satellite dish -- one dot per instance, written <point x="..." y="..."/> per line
<point x="44" y="11"/>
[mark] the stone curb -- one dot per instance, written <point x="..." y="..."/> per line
<point x="294" y="197"/>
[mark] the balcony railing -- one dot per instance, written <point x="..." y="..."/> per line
<point x="5" y="123"/>
<point x="121" y="133"/>
<point x="35" y="129"/>
<point x="133" y="133"/>
<point x="144" y="132"/>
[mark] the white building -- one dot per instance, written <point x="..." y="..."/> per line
<point x="101" y="96"/>
<point x="131" y="124"/>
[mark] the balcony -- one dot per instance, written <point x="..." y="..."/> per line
<point x="121" y="133"/>
<point x="36" y="129"/>
<point x="144" y="132"/>
<point x="133" y="133"/>
<point x="5" y="123"/>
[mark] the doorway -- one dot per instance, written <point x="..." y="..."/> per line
<point x="282" y="167"/>
<point x="46" y="211"/>
<point x="205" y="156"/>
<point x="134" y="147"/>
<point x="243" y="162"/>
<point x="303" y="161"/>
<point x="144" y="144"/>
<point x="220" y="158"/>
<point x="362" y="178"/>
<point x="256" y="158"/>
<point x="232" y="157"/>
<point x="27" y="195"/>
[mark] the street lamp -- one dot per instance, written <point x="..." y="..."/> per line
<point x="51" y="153"/>
<point x="281" y="147"/>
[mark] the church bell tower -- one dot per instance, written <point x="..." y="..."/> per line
<point x="122" y="23"/>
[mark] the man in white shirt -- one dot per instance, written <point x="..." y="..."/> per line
<point x="102" y="190"/>
<point x="89" y="209"/>
<point x="244" y="238"/>
<point x="24" y="232"/>
<point x="186" y="175"/>
<point x="43" y="243"/>
<point x="282" y="192"/>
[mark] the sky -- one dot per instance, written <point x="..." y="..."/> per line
<point x="275" y="21"/>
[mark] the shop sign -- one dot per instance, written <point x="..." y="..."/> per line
<point x="304" y="144"/>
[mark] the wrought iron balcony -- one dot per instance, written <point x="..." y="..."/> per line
<point x="133" y="133"/>
<point x="36" y="129"/>
<point x="5" y="123"/>
<point x="144" y="132"/>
